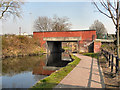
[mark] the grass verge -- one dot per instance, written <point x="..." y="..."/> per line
<point x="55" y="78"/>
<point x="93" y="55"/>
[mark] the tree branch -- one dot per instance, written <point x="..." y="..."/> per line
<point x="4" y="11"/>
<point x="111" y="5"/>
<point x="10" y="7"/>
<point x="117" y="12"/>
<point x="112" y="17"/>
<point x="103" y="4"/>
<point x="101" y="11"/>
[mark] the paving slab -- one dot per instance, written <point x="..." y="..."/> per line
<point x="87" y="74"/>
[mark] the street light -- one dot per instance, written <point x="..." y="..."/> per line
<point x="19" y="30"/>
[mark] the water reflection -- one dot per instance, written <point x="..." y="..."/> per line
<point x="14" y="66"/>
<point x="39" y="70"/>
<point x="18" y="72"/>
<point x="25" y="71"/>
<point x="56" y="60"/>
<point x="22" y="80"/>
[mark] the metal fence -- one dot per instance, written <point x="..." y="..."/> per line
<point x="105" y="36"/>
<point x="110" y="58"/>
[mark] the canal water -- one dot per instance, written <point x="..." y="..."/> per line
<point x="24" y="72"/>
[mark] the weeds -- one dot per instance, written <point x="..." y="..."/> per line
<point x="13" y="45"/>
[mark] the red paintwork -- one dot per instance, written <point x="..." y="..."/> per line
<point x="39" y="70"/>
<point x="86" y="35"/>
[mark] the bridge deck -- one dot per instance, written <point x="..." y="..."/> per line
<point x="62" y="38"/>
<point x="87" y="74"/>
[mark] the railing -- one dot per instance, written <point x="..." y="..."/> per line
<point x="110" y="58"/>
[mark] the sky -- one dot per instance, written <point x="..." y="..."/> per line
<point x="81" y="15"/>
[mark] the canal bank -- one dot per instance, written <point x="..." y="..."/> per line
<point x="24" y="72"/>
<point x="19" y="46"/>
<point x="55" y="78"/>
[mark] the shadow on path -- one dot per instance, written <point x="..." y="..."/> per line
<point x="87" y="74"/>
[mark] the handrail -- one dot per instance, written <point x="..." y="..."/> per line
<point x="111" y="60"/>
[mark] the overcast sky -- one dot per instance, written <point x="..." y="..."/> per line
<point x="81" y="15"/>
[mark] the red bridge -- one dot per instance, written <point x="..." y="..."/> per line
<point x="52" y="39"/>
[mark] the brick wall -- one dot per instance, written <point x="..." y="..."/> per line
<point x="97" y="45"/>
<point x="86" y="36"/>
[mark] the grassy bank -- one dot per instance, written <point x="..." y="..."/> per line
<point x="55" y="78"/>
<point x="94" y="55"/>
<point x="111" y="80"/>
<point x="67" y="48"/>
<point x="18" y="45"/>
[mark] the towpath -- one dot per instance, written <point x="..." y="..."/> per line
<point x="87" y="74"/>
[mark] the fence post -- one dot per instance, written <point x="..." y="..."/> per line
<point x="101" y="52"/>
<point x="109" y="59"/>
<point x="107" y="56"/>
<point x="117" y="59"/>
<point x="112" y="63"/>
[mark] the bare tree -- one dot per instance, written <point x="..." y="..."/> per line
<point x="10" y="7"/>
<point x="43" y="24"/>
<point x="61" y="24"/>
<point x="100" y="28"/>
<point x="111" y="10"/>
<point x="54" y="24"/>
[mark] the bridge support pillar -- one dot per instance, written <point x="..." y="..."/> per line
<point x="78" y="46"/>
<point x="54" y="46"/>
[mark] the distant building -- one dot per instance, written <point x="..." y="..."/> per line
<point x="24" y="33"/>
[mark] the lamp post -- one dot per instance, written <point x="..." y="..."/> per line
<point x="19" y="30"/>
<point x="30" y="21"/>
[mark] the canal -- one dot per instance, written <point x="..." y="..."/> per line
<point x="24" y="72"/>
